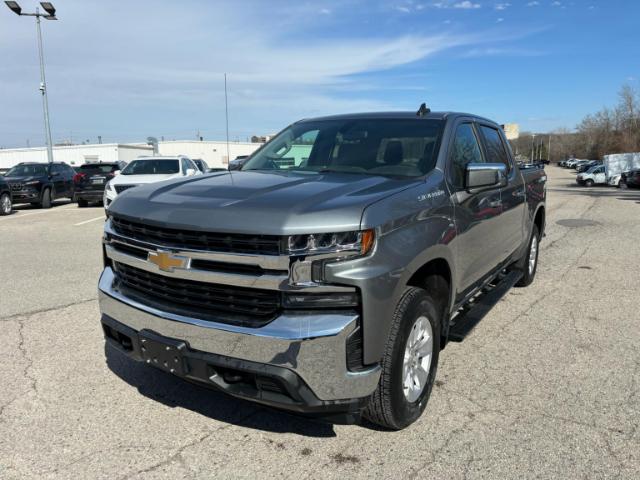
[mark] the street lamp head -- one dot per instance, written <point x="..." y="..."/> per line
<point x="15" y="8"/>
<point x="49" y="8"/>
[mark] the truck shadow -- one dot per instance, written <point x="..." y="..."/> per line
<point x="177" y="393"/>
<point x="599" y="191"/>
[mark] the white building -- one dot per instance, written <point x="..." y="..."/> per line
<point x="214" y="153"/>
<point x="74" y="155"/>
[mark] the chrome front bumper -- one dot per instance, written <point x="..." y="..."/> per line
<point x="311" y="345"/>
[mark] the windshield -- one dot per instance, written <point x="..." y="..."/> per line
<point x="27" y="171"/>
<point x="151" y="167"/>
<point x="395" y="147"/>
<point x="90" y="169"/>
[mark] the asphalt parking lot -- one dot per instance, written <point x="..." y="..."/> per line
<point x="547" y="386"/>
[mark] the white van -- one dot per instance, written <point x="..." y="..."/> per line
<point x="594" y="176"/>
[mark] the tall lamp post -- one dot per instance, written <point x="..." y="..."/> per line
<point x="50" y="15"/>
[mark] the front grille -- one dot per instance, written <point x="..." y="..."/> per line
<point x="122" y="188"/>
<point x="16" y="187"/>
<point x="194" y="240"/>
<point x="248" y="307"/>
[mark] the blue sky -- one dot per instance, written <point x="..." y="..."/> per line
<point x="127" y="70"/>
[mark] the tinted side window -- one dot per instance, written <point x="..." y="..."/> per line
<point x="496" y="152"/>
<point x="57" y="169"/>
<point x="465" y="150"/>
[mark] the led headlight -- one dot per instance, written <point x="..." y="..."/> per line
<point x="358" y="242"/>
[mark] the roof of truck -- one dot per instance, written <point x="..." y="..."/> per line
<point x="397" y="115"/>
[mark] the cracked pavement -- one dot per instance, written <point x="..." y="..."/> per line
<point x="546" y="386"/>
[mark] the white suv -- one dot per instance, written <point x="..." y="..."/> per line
<point x="149" y="170"/>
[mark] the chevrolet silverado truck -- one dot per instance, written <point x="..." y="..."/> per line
<point x="326" y="275"/>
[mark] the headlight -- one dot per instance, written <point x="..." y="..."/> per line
<point x="358" y="242"/>
<point x="109" y="186"/>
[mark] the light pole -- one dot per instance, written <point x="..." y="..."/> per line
<point x="533" y="145"/>
<point x="50" y="15"/>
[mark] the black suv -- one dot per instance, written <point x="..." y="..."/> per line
<point x="91" y="179"/>
<point x="5" y="197"/>
<point x="40" y="183"/>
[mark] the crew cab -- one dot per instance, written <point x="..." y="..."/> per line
<point x="145" y="170"/>
<point x="40" y="183"/>
<point x="325" y="276"/>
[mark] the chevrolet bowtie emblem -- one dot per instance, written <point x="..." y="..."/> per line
<point x="167" y="261"/>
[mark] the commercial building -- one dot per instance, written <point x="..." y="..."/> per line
<point x="214" y="153"/>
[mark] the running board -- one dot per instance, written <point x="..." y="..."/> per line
<point x="476" y="310"/>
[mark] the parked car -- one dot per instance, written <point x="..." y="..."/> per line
<point x="40" y="183"/>
<point x="201" y="164"/>
<point x="149" y="170"/>
<point x="236" y="163"/>
<point x="594" y="176"/>
<point x="631" y="179"/>
<point x="91" y="180"/>
<point x="583" y="167"/>
<point x="6" y="201"/>
<point x="376" y="235"/>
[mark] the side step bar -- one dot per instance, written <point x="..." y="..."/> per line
<point x="471" y="314"/>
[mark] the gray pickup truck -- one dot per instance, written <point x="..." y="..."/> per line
<point x="325" y="276"/>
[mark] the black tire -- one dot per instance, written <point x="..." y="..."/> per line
<point x="588" y="183"/>
<point x="82" y="203"/>
<point x="389" y="407"/>
<point x="529" y="274"/>
<point x="45" y="202"/>
<point x="6" y="206"/>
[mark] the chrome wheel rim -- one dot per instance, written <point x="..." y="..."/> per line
<point x="6" y="204"/>
<point x="417" y="359"/>
<point x="533" y="255"/>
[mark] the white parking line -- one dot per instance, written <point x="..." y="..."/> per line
<point x="88" y="221"/>
<point x="21" y="215"/>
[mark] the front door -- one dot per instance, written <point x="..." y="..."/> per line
<point x="477" y="214"/>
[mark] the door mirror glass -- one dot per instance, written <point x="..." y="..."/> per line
<point x="116" y="172"/>
<point x="485" y="175"/>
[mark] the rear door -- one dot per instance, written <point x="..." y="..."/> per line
<point x="60" y="187"/>
<point x="513" y="197"/>
<point x="477" y="214"/>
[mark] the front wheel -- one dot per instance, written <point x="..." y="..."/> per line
<point x="589" y="183"/>
<point x="5" y="204"/>
<point x="46" y="198"/>
<point x="409" y="364"/>
<point x="82" y="203"/>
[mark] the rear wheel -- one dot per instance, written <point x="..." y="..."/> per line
<point x="409" y="364"/>
<point x="82" y="203"/>
<point x="5" y="204"/>
<point x="528" y="264"/>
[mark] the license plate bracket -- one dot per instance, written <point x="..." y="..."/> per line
<point x="97" y="181"/>
<point x="164" y="353"/>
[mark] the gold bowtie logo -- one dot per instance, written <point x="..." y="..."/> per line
<point x="167" y="261"/>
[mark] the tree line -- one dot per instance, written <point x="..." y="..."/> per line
<point x="611" y="130"/>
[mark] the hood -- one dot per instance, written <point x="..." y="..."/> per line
<point x="259" y="202"/>
<point x="30" y="178"/>
<point x="140" y="179"/>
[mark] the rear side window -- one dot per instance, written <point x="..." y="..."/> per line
<point x="496" y="153"/>
<point x="466" y="150"/>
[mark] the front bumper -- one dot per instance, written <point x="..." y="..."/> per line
<point x="26" y="196"/>
<point x="302" y="352"/>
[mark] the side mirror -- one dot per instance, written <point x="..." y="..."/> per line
<point x="54" y="174"/>
<point x="190" y="171"/>
<point x="485" y="175"/>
